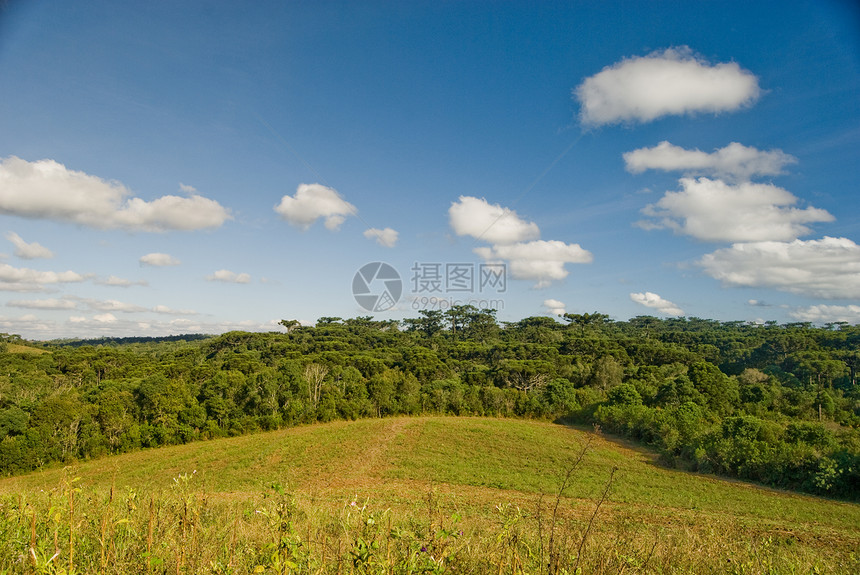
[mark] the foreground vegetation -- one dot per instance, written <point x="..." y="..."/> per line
<point x="412" y="495"/>
<point x="772" y="403"/>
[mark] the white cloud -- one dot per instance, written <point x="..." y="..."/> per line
<point x="46" y="189"/>
<point x="168" y="311"/>
<point x="828" y="314"/>
<point x="670" y="82"/>
<point x="229" y="277"/>
<point x="654" y="301"/>
<point x="25" y="324"/>
<point x="827" y="268"/>
<point x="713" y="210"/>
<point x="492" y="223"/>
<point x="554" y="307"/>
<point x="314" y="201"/>
<point x="115" y="281"/>
<point x="156" y="259"/>
<point x="44" y="304"/>
<point x="735" y="161"/>
<point x="24" y="287"/>
<point x="28" y="251"/>
<point x="26" y="277"/>
<point x="32" y="327"/>
<point x="112" y="305"/>
<point x="539" y="260"/>
<point x="386" y="237"/>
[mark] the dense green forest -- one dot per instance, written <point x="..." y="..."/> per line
<point x="772" y="403"/>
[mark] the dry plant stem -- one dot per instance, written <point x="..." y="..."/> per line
<point x="33" y="538"/>
<point x="149" y="534"/>
<point x="71" y="530"/>
<point x="565" y="484"/>
<point x="591" y="520"/>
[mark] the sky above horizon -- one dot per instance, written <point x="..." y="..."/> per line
<point x="199" y="167"/>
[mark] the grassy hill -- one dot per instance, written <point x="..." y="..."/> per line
<point x="476" y="494"/>
<point x="22" y="348"/>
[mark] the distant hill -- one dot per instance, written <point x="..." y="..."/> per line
<point x="115" y="341"/>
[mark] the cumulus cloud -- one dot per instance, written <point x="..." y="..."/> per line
<point x="539" y="260"/>
<point x="713" y="210"/>
<point x="156" y="259"/>
<point x="735" y="161"/>
<point x="312" y="202"/>
<point x="112" y="305"/>
<point x="828" y="268"/>
<point x="28" y="325"/>
<point x="828" y="314"/>
<point x="46" y="189"/>
<point x="168" y="311"/>
<point x="654" y="301"/>
<point x="554" y="307"/>
<point x="664" y="83"/>
<point x="386" y="237"/>
<point x="492" y="223"/>
<point x="31" y="327"/>
<point x="27" y="251"/>
<point x="43" y="304"/>
<point x="114" y="281"/>
<point x="26" y="279"/>
<point x="229" y="277"/>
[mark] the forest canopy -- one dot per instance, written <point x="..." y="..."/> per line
<point x="777" y="404"/>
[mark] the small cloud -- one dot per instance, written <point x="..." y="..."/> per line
<point x="46" y="189"/>
<point x="105" y="318"/>
<point x="672" y="82"/>
<point x="540" y="260"/>
<point x="735" y="161"/>
<point x="386" y="237"/>
<point x="185" y="189"/>
<point x="828" y="314"/>
<point x="314" y="201"/>
<point x="227" y="276"/>
<point x="713" y="210"/>
<point x="163" y="309"/>
<point x="114" y="281"/>
<point x="554" y="307"/>
<point x="158" y="260"/>
<point x="654" y="301"/>
<point x="476" y="217"/>
<point x="29" y="277"/>
<point x="44" y="304"/>
<point x="828" y="268"/>
<point x="112" y="305"/>
<point x="27" y="251"/>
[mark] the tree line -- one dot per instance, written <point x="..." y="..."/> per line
<point x="772" y="403"/>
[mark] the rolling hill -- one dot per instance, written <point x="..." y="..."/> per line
<point x="486" y="488"/>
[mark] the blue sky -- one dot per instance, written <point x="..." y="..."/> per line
<point x="204" y="166"/>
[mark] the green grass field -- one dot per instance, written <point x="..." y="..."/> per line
<point x="407" y="483"/>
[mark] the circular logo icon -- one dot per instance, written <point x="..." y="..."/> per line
<point x="377" y="286"/>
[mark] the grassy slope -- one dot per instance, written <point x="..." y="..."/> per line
<point x="20" y="348"/>
<point x="479" y="462"/>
